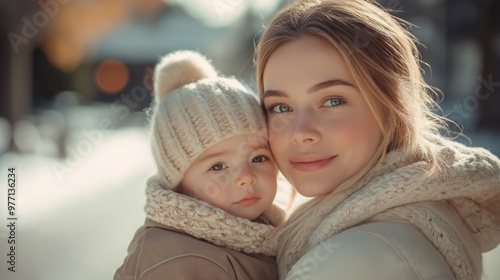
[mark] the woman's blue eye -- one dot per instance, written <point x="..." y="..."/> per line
<point x="332" y="102"/>
<point x="260" y="158"/>
<point x="280" y="108"/>
<point x="217" y="167"/>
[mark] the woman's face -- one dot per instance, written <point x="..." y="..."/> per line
<point x="321" y="130"/>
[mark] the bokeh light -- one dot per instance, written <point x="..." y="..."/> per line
<point x="111" y="76"/>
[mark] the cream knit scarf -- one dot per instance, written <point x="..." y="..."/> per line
<point x="210" y="223"/>
<point x="470" y="183"/>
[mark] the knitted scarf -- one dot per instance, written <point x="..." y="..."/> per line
<point x="205" y="221"/>
<point x="469" y="182"/>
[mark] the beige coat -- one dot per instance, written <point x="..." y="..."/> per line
<point x="186" y="238"/>
<point x="158" y="252"/>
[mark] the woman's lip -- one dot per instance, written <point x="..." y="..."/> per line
<point x="305" y="158"/>
<point x="308" y="164"/>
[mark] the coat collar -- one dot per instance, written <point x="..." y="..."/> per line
<point x="171" y="210"/>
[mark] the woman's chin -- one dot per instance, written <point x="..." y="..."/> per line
<point x="310" y="190"/>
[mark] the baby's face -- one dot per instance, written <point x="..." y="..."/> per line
<point x="238" y="175"/>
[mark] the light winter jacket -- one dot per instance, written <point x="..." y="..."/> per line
<point x="158" y="252"/>
<point x="403" y="222"/>
<point x="185" y="238"/>
<point x="381" y="250"/>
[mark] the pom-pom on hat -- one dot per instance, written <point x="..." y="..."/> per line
<point x="195" y="109"/>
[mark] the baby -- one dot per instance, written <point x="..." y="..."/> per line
<point x="210" y="207"/>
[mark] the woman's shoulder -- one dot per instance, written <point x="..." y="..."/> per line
<point x="159" y="251"/>
<point x="375" y="250"/>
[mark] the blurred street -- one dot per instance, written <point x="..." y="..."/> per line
<point x="77" y="226"/>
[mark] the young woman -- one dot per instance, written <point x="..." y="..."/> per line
<point x="351" y="124"/>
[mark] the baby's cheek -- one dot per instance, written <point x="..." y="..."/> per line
<point x="210" y="192"/>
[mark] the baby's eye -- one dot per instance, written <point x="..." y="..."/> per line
<point x="218" y="167"/>
<point x="333" y="102"/>
<point x="279" y="108"/>
<point x="260" y="158"/>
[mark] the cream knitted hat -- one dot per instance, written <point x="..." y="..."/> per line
<point x="195" y="108"/>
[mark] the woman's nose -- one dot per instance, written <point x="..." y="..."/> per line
<point x="305" y="129"/>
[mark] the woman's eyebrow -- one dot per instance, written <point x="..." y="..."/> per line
<point x="327" y="84"/>
<point x="275" y="93"/>
<point x="314" y="88"/>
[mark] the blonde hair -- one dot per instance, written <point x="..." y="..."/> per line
<point x="384" y="61"/>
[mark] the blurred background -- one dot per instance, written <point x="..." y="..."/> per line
<point x="75" y="84"/>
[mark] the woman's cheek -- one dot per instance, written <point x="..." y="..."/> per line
<point x="279" y="123"/>
<point x="274" y="140"/>
<point x="277" y="145"/>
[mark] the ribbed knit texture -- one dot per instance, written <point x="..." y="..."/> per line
<point x="196" y="109"/>
<point x="207" y="222"/>
<point x="470" y="184"/>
